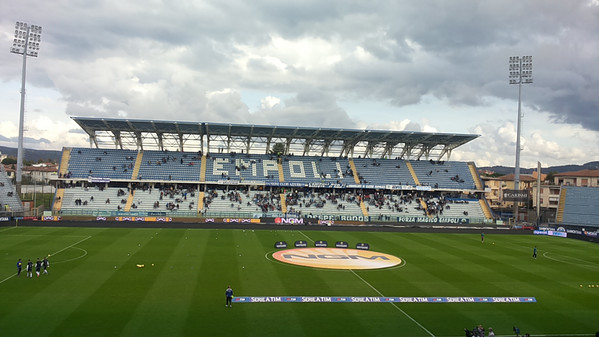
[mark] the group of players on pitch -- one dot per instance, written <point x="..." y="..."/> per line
<point x="39" y="265"/>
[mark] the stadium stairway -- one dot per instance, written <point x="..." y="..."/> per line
<point x="413" y="173"/>
<point x="559" y="218"/>
<point x="202" y="179"/>
<point x="486" y="209"/>
<point x="129" y="201"/>
<point x="476" y="178"/>
<point x="423" y="204"/>
<point x="138" y="160"/>
<point x="64" y="161"/>
<point x="283" y="201"/>
<point x="281" y="174"/>
<point x="58" y="199"/>
<point x="355" y="172"/>
<point x="201" y="199"/>
<point x="363" y="208"/>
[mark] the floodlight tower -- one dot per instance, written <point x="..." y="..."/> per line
<point x="27" y="43"/>
<point x="520" y="73"/>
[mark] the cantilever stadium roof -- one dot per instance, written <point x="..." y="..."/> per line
<point x="212" y="137"/>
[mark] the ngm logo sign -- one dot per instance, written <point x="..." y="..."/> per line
<point x="337" y="258"/>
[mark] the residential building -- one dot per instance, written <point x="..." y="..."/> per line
<point x="582" y="178"/>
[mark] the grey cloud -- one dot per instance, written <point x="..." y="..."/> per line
<point x="571" y="109"/>
<point x="30" y="140"/>
<point x="308" y="108"/>
<point x="179" y="52"/>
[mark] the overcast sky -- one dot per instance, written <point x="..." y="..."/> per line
<point x="429" y="65"/>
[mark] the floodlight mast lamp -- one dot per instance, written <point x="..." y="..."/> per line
<point x="520" y="73"/>
<point x="27" y="43"/>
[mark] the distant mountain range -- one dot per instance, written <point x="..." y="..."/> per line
<point x="593" y="165"/>
<point x="33" y="155"/>
<point x="36" y="155"/>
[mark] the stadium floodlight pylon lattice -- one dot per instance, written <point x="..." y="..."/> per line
<point x="520" y="73"/>
<point x="27" y="43"/>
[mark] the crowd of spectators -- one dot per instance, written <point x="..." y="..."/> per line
<point x="297" y="200"/>
<point x="394" y="202"/>
<point x="262" y="201"/>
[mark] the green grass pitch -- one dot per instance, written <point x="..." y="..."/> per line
<point x="94" y="287"/>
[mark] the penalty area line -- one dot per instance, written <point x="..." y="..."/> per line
<point x="395" y="305"/>
<point x="67" y="247"/>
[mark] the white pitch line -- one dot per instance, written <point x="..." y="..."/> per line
<point x="585" y="264"/>
<point x="396" y="307"/>
<point x="8" y="278"/>
<point x="78" y="242"/>
<point x="75" y="258"/>
<point x="9" y="228"/>
<point x="67" y="247"/>
<point x="302" y="233"/>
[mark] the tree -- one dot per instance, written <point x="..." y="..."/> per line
<point x="9" y="161"/>
<point x="549" y="177"/>
<point x="278" y="149"/>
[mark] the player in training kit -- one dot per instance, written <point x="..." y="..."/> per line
<point x="45" y="265"/>
<point x="38" y="267"/>
<point x="534" y="252"/>
<point x="229" y="296"/>
<point x="19" y="266"/>
<point x="29" y="268"/>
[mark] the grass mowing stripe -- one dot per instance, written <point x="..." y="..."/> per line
<point x="446" y="264"/>
<point x="396" y="307"/>
<point x="7" y="229"/>
<point x="112" y="296"/>
<point x="473" y="256"/>
<point x="378" y="292"/>
<point x="295" y="281"/>
<point x="163" y="309"/>
<point x="32" y="297"/>
<point x="418" y="279"/>
<point x="277" y="283"/>
<point x="565" y="260"/>
<point x="220" y="266"/>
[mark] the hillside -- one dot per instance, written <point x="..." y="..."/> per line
<point x="593" y="165"/>
<point x="36" y="155"/>
<point x="33" y="155"/>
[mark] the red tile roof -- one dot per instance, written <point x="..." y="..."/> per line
<point x="581" y="173"/>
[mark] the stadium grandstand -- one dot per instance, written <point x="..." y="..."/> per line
<point x="9" y="198"/>
<point x="578" y="206"/>
<point x="139" y="168"/>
